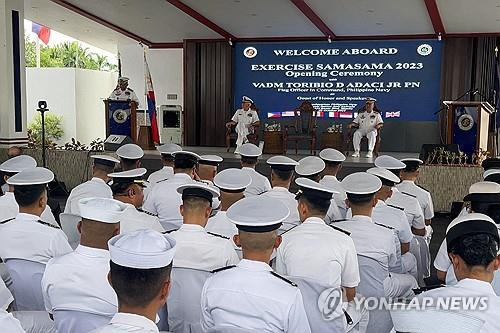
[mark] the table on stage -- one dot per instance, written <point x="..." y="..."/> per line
<point x="273" y="142"/>
<point x="332" y="140"/>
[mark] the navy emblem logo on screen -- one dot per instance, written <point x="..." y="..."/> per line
<point x="424" y="49"/>
<point x="465" y="122"/>
<point x="250" y="52"/>
<point x="120" y="116"/>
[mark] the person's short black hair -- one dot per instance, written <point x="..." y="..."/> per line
<point x="397" y="172"/>
<point x="319" y="205"/>
<point x="283" y="174"/>
<point x="360" y="199"/>
<point x="137" y="287"/>
<point x="26" y="195"/>
<point x="105" y="168"/>
<point x="184" y="163"/>
<point x="167" y="157"/>
<point x="493" y="178"/>
<point x="248" y="160"/>
<point x="492" y="209"/>
<point x="332" y="163"/>
<point x="128" y="164"/>
<point x="120" y="187"/>
<point x="475" y="249"/>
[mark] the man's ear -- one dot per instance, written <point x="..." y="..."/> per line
<point x="117" y="230"/>
<point x="5" y="178"/>
<point x="347" y="203"/>
<point x="237" y="240"/>
<point x="165" y="291"/>
<point x="79" y="227"/>
<point x="277" y="242"/>
<point x="374" y="201"/>
<point x="208" y="211"/>
<point x="181" y="209"/>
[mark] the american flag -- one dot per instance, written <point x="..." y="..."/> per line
<point x="150" y="96"/>
<point x="395" y="114"/>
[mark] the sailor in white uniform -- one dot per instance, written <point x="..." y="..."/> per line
<point x="26" y="236"/>
<point x="244" y="119"/>
<point x="394" y="217"/>
<point x="368" y="122"/>
<point x="128" y="188"/>
<point x="130" y="156"/>
<point x="483" y="198"/>
<point x="370" y="238"/>
<point x="472" y="244"/>
<point x="123" y="93"/>
<point x="8" y="205"/>
<point x="167" y="160"/>
<point x="164" y="200"/>
<point x="141" y="259"/>
<point x="231" y="183"/>
<point x="8" y="322"/>
<point x="249" y="159"/>
<point x="197" y="248"/>
<point x="96" y="187"/>
<point x="282" y="169"/>
<point x="333" y="163"/>
<point x="76" y="283"/>
<point x="318" y="251"/>
<point x="208" y="166"/>
<point x="250" y="295"/>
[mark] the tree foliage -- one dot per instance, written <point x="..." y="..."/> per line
<point x="67" y="54"/>
<point x="53" y="127"/>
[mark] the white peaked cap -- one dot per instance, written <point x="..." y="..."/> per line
<point x="101" y="209"/>
<point x="389" y="162"/>
<point x="130" y="151"/>
<point x="361" y="183"/>
<point x="309" y="166"/>
<point x="142" y="249"/>
<point x="331" y="155"/>
<point x="33" y="176"/>
<point x="18" y="164"/>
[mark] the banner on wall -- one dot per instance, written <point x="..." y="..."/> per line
<point x="404" y="77"/>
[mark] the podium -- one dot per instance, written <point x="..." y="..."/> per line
<point x="121" y="118"/>
<point x="467" y="125"/>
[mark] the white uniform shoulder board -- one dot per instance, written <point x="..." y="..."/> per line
<point x="48" y="224"/>
<point x="8" y="220"/>
<point x="146" y="212"/>
<point x="284" y="279"/>
<point x="408" y="194"/>
<point x="385" y="226"/>
<point x="423" y="188"/>
<point x="340" y="229"/>
<point x="223" y="268"/>
<point x="169" y="231"/>
<point x="161" y="180"/>
<point x="397" y="207"/>
<point x="217" y="235"/>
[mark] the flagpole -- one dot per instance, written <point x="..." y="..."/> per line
<point x="145" y="87"/>
<point x="37" y="52"/>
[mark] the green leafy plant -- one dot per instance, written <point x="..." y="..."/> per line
<point x="53" y="128"/>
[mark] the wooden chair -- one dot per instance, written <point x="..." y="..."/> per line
<point x="350" y="133"/>
<point x="303" y="129"/>
<point x="232" y="135"/>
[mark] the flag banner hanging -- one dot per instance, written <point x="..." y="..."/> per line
<point x="150" y="97"/>
<point x="41" y="31"/>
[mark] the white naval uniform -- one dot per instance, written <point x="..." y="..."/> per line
<point x="197" y="249"/>
<point x="165" y="201"/>
<point x="259" y="185"/>
<point x="128" y="322"/>
<point x="124" y="95"/>
<point x="251" y="297"/>
<point x="317" y="251"/>
<point x="423" y="196"/>
<point x="10" y="324"/>
<point x="243" y="118"/>
<point x="288" y="198"/>
<point x="367" y="122"/>
<point x="93" y="188"/>
<point x="134" y="219"/>
<point x="472" y="288"/>
<point x="442" y="261"/>
<point x="164" y="173"/>
<point x="339" y="199"/>
<point x="78" y="281"/>
<point x="333" y="214"/>
<point x="220" y="225"/>
<point x="9" y="209"/>
<point x="26" y="238"/>
<point x="377" y="242"/>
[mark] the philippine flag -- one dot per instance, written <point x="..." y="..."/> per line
<point x="41" y="31"/>
<point x="150" y="96"/>
<point x="395" y="114"/>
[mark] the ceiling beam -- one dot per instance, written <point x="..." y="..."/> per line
<point x="202" y="19"/>
<point x="313" y="17"/>
<point x="435" y="17"/>
<point x="101" y="21"/>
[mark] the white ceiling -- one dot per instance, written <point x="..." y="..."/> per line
<point x="160" y="22"/>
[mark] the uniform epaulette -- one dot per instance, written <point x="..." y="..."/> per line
<point x="161" y="180"/>
<point x="223" y="268"/>
<point x="146" y="212"/>
<point x="48" y="224"/>
<point x="385" y="226"/>
<point x="423" y="188"/>
<point x="284" y="279"/>
<point x="168" y="231"/>
<point x="8" y="220"/>
<point x="284" y="232"/>
<point x="340" y="229"/>
<point x="341" y="220"/>
<point x="408" y="194"/>
<point x="397" y="207"/>
<point x="217" y="235"/>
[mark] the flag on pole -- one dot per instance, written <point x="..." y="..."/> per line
<point x="150" y="97"/>
<point x="119" y="65"/>
<point x="41" y="31"/>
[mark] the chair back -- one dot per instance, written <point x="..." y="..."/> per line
<point x="305" y="118"/>
<point x="372" y="275"/>
<point x="412" y="320"/>
<point x="69" y="224"/>
<point x="26" y="284"/>
<point x="323" y="305"/>
<point x="183" y="302"/>
<point x="77" y="321"/>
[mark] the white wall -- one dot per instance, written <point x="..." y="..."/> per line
<point x="76" y="94"/>
<point x="165" y="65"/>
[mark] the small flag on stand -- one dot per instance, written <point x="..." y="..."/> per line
<point x="150" y="96"/>
<point x="41" y="31"/>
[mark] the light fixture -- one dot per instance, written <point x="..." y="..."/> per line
<point x="329" y="39"/>
<point x="439" y="37"/>
<point x="230" y="42"/>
